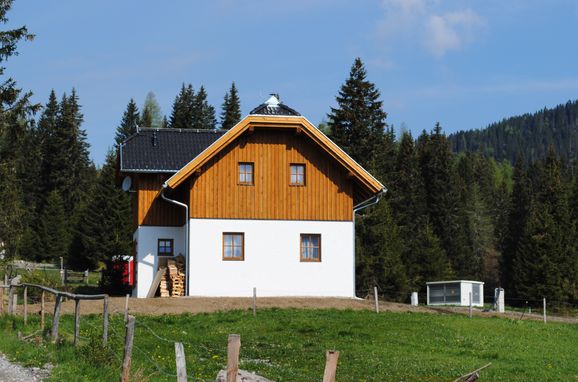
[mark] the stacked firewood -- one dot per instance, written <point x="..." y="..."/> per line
<point x="165" y="286"/>
<point x="177" y="276"/>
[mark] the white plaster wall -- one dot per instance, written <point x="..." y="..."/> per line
<point x="147" y="259"/>
<point x="272" y="259"/>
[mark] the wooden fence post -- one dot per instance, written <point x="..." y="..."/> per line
<point x="105" y="321"/>
<point x="233" y="348"/>
<point x="76" y="320"/>
<point x="15" y="302"/>
<point x="10" y="299"/>
<point x="128" y="340"/>
<point x="42" y="311"/>
<point x="126" y="308"/>
<point x="181" y="362"/>
<point x="470" y="304"/>
<point x="376" y="299"/>
<point x="56" y="317"/>
<point x="544" y="309"/>
<point x="330" y="366"/>
<point x="254" y="302"/>
<point x="25" y="305"/>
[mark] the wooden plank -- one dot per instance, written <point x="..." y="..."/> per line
<point x="181" y="362"/>
<point x="330" y="366"/>
<point x="126" y="308"/>
<point x="105" y="322"/>
<point x="56" y="317"/>
<point x="76" y="321"/>
<point x="156" y="282"/>
<point x="233" y="349"/>
<point x="25" y="302"/>
<point x="128" y="342"/>
<point x="42" y="312"/>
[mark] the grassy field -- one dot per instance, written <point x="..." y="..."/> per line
<point x="289" y="345"/>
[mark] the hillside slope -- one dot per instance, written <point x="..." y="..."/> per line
<point x="528" y="134"/>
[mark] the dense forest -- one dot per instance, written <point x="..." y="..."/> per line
<point x="528" y="134"/>
<point x="453" y="209"/>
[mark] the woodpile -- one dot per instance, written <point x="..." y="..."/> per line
<point x="176" y="275"/>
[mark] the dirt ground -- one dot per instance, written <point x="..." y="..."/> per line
<point x="177" y="305"/>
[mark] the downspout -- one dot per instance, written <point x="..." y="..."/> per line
<point x="366" y="203"/>
<point x="187" y="234"/>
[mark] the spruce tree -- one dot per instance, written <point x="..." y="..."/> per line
<point x="53" y="229"/>
<point x="151" y="115"/>
<point x="358" y="123"/>
<point x="204" y="114"/>
<point x="379" y="259"/>
<point x="183" y="114"/>
<point x="231" y="108"/>
<point x="129" y="123"/>
<point x="103" y="229"/>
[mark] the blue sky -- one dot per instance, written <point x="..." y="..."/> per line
<point x="462" y="63"/>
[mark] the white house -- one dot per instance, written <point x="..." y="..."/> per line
<point x="268" y="204"/>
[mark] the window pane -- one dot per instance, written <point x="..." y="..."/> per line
<point x="249" y="178"/>
<point x="237" y="251"/>
<point x="315" y="253"/>
<point x="228" y="251"/>
<point x="305" y="252"/>
<point x="315" y="240"/>
<point x="237" y="240"/>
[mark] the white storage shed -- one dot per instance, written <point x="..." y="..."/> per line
<point x="455" y="292"/>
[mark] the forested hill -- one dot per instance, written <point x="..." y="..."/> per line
<point x="528" y="134"/>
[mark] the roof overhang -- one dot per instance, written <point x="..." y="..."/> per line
<point x="298" y="123"/>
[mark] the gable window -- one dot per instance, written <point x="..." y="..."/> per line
<point x="246" y="172"/>
<point x="165" y="247"/>
<point x="234" y="246"/>
<point x="297" y="174"/>
<point x="311" y="247"/>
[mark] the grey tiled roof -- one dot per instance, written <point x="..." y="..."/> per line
<point x="164" y="150"/>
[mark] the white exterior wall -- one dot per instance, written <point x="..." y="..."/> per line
<point x="272" y="259"/>
<point x="147" y="259"/>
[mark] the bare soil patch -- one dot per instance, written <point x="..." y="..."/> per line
<point x="178" y="305"/>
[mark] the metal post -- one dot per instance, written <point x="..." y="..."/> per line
<point x="376" y="299"/>
<point x="544" y="309"/>
<point x="470" y="304"/>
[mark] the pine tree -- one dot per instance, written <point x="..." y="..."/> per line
<point x="129" y="123"/>
<point x="204" y="114"/>
<point x="151" y="115"/>
<point x="358" y="123"/>
<point x="517" y="220"/>
<point x="183" y="114"/>
<point x="231" y="108"/>
<point x="379" y="259"/>
<point x="53" y="229"/>
<point x="103" y="229"/>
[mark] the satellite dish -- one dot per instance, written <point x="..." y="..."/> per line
<point x="126" y="183"/>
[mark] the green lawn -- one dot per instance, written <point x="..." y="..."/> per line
<point x="289" y="345"/>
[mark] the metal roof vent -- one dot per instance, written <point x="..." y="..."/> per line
<point x="273" y="106"/>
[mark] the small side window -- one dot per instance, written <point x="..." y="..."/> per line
<point x="246" y="173"/>
<point x="165" y="247"/>
<point x="234" y="246"/>
<point x="310" y="247"/>
<point x="297" y="174"/>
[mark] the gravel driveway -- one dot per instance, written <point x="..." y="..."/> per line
<point x="11" y="372"/>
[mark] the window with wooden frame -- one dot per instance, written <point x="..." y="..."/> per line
<point x="234" y="246"/>
<point x="297" y="174"/>
<point x="246" y="173"/>
<point x="310" y="247"/>
<point x="166" y="247"/>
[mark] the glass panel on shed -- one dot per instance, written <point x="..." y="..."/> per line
<point x="453" y="294"/>
<point x="476" y="293"/>
<point x="436" y="293"/>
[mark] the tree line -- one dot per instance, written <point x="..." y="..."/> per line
<point x="527" y="134"/>
<point x="456" y="216"/>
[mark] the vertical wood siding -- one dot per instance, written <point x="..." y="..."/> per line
<point x="327" y="194"/>
<point x="149" y="208"/>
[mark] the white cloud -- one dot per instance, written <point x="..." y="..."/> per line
<point x="423" y="21"/>
<point x="451" y="31"/>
